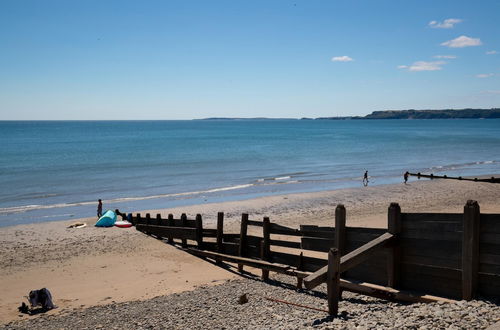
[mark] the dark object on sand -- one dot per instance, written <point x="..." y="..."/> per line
<point x="23" y="308"/>
<point x="243" y="299"/>
<point x="42" y="298"/>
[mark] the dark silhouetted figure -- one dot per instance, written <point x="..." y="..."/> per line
<point x="406" y="175"/>
<point x="365" y="179"/>
<point x="99" y="209"/>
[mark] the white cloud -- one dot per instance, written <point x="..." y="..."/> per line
<point x="462" y="41"/>
<point x="446" y="24"/>
<point x="491" y="52"/>
<point x="423" y="66"/>
<point x="484" y="75"/>
<point x="342" y="59"/>
<point x="445" y="56"/>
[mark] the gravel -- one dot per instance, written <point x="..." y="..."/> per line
<point x="220" y="307"/>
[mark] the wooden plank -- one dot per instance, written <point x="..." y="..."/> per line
<point x="431" y="248"/>
<point x="253" y="240"/>
<point x="183" y="224"/>
<point x="412" y="218"/>
<point x="340" y="230"/>
<point x="163" y="231"/>
<point x="284" y="269"/>
<point x="282" y="230"/>
<point x="233" y="238"/>
<point x="442" y="272"/>
<point x="363" y="237"/>
<point x="432" y="234"/>
<point x="394" y="256"/>
<point x="492" y="259"/>
<point x="209" y="232"/>
<point x="431" y="261"/>
<point x="373" y="270"/>
<point x="489" y="285"/>
<point x="199" y="231"/>
<point x="387" y="293"/>
<point x="429" y="284"/>
<point x="159" y="221"/>
<point x="288" y="244"/>
<point x="470" y="250"/>
<point x="317" y="244"/>
<point x="266" y="245"/>
<point x="243" y="239"/>
<point x="350" y="260"/>
<point x="490" y="223"/>
<point x="220" y="231"/>
<point x="171" y="223"/>
<point x="309" y="263"/>
<point x="489" y="248"/>
<point x="491" y="238"/>
<point x="255" y="223"/>
<point x="231" y="248"/>
<point x="489" y="268"/>
<point x="319" y="232"/>
<point x="333" y="281"/>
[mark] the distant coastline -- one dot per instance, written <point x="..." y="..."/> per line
<point x="399" y="114"/>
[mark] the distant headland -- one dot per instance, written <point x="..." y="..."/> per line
<point x="401" y="114"/>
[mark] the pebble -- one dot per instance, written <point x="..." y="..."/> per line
<point x="218" y="307"/>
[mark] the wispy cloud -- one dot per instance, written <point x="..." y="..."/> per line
<point x="491" y="52"/>
<point x="446" y="24"/>
<point x="484" y="75"/>
<point x="462" y="41"/>
<point x="445" y="56"/>
<point x="493" y="92"/>
<point x="342" y="59"/>
<point x="423" y="66"/>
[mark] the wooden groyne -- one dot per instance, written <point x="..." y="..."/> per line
<point x="419" y="257"/>
<point x="432" y="176"/>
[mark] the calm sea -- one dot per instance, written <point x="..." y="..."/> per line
<point x="58" y="170"/>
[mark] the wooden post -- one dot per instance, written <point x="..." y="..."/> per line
<point x="394" y="254"/>
<point x="340" y="233"/>
<point x="243" y="238"/>
<point x="199" y="231"/>
<point x="148" y="219"/>
<point x="220" y="232"/>
<point x="184" y="224"/>
<point x="138" y="216"/>
<point x="130" y="218"/>
<point x="158" y="219"/>
<point x="470" y="249"/>
<point x="300" y="266"/>
<point x="170" y="223"/>
<point x="265" y="246"/>
<point x="333" y="281"/>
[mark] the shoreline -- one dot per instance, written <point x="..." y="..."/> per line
<point x="96" y="266"/>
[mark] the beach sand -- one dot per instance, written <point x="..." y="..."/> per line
<point x="95" y="266"/>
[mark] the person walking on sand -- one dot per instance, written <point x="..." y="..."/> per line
<point x="99" y="209"/>
<point x="365" y="179"/>
<point x="406" y="175"/>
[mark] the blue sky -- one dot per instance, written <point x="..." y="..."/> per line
<point x="195" y="59"/>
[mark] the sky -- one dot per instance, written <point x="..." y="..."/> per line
<point x="113" y="60"/>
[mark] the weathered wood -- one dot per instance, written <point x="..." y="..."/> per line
<point x="139" y="219"/>
<point x="490" y="238"/>
<point x="451" y="221"/>
<point x="164" y="231"/>
<point x="432" y="176"/>
<point x="431" y="261"/>
<point x="350" y="260"/>
<point x="253" y="240"/>
<point x="288" y="244"/>
<point x="170" y="222"/>
<point x="283" y="269"/>
<point x="282" y="230"/>
<point x="199" y="231"/>
<point x="310" y="264"/>
<point x="220" y="232"/>
<point x="148" y="219"/>
<point x="394" y="256"/>
<point x="490" y="223"/>
<point x="430" y="284"/>
<point x="209" y="232"/>
<point x="317" y="244"/>
<point x="243" y="239"/>
<point x="184" y="224"/>
<point x="438" y="234"/>
<point x="431" y="248"/>
<point x="158" y="219"/>
<point x="255" y="223"/>
<point x="333" y="281"/>
<point x="300" y="266"/>
<point x="340" y="230"/>
<point x="470" y="250"/>
<point x="266" y="245"/>
<point x="387" y="293"/>
<point x="489" y="285"/>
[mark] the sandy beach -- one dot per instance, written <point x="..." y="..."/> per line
<point x="94" y="266"/>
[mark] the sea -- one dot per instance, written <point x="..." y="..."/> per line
<point x="57" y="170"/>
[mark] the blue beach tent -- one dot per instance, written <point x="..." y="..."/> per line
<point x="108" y="219"/>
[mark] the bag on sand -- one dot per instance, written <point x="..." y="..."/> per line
<point x="42" y="298"/>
